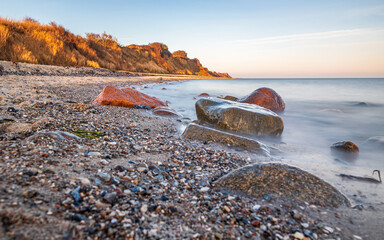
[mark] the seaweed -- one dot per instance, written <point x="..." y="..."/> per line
<point x="93" y="135"/>
<point x="364" y="179"/>
<point x="6" y="120"/>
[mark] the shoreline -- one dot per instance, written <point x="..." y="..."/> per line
<point x="20" y="68"/>
<point x="155" y="177"/>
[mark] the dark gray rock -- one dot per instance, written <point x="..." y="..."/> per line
<point x="239" y="117"/>
<point x="203" y="133"/>
<point x="281" y="181"/>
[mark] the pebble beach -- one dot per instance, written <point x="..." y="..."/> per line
<point x="73" y="170"/>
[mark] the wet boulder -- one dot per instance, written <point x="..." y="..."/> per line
<point x="280" y="181"/>
<point x="126" y="97"/>
<point x="203" y="133"/>
<point x="265" y="97"/>
<point x="239" y="117"/>
<point x="345" y="146"/>
<point x="165" y="111"/>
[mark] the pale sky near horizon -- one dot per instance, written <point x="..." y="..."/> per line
<point x="246" y="38"/>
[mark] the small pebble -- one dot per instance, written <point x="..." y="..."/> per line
<point x="328" y="229"/>
<point x="104" y="176"/>
<point x="93" y="154"/>
<point x="144" y="208"/>
<point x="298" y="235"/>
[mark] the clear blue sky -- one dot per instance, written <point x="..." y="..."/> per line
<point x="247" y="38"/>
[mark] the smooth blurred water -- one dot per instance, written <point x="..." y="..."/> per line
<point x="318" y="113"/>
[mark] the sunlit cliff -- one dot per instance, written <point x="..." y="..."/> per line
<point x="29" y="41"/>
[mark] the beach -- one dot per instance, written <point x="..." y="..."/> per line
<point x="73" y="170"/>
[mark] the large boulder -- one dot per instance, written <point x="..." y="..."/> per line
<point x="126" y="97"/>
<point x="239" y="117"/>
<point x="265" y="97"/>
<point x="280" y="181"/>
<point x="203" y="133"/>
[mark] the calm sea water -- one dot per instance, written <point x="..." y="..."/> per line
<point x="318" y="113"/>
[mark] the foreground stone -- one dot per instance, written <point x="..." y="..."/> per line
<point x="239" y="117"/>
<point x="274" y="180"/>
<point x="265" y="97"/>
<point x="345" y="146"/>
<point x="203" y="133"/>
<point x="126" y="97"/>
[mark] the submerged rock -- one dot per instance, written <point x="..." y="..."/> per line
<point x="194" y="131"/>
<point x="265" y="97"/>
<point x="376" y="140"/>
<point x="239" y="117"/>
<point x="126" y="97"/>
<point x="281" y="181"/>
<point x="345" y="146"/>
<point x="165" y="111"/>
<point x="203" y="95"/>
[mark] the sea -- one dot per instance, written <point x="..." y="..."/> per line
<point x="318" y="113"/>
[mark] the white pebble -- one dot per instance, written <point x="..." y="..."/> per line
<point x="144" y="208"/>
<point x="328" y="229"/>
<point x="204" y="189"/>
<point x="256" y="207"/>
<point x="298" y="235"/>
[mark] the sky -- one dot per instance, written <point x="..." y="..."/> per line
<point x="246" y="38"/>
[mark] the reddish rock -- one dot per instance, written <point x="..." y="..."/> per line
<point x="345" y="146"/>
<point x="126" y="97"/>
<point x="265" y="97"/>
<point x="165" y="111"/>
<point x="204" y="95"/>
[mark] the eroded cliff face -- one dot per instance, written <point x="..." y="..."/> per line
<point x="158" y="58"/>
<point x="32" y="42"/>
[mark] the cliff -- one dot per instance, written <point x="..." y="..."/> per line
<point x="32" y="42"/>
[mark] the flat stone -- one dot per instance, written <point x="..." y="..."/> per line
<point x="15" y="128"/>
<point x="57" y="135"/>
<point x="280" y="181"/>
<point x="165" y="111"/>
<point x="203" y="133"/>
<point x="126" y="97"/>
